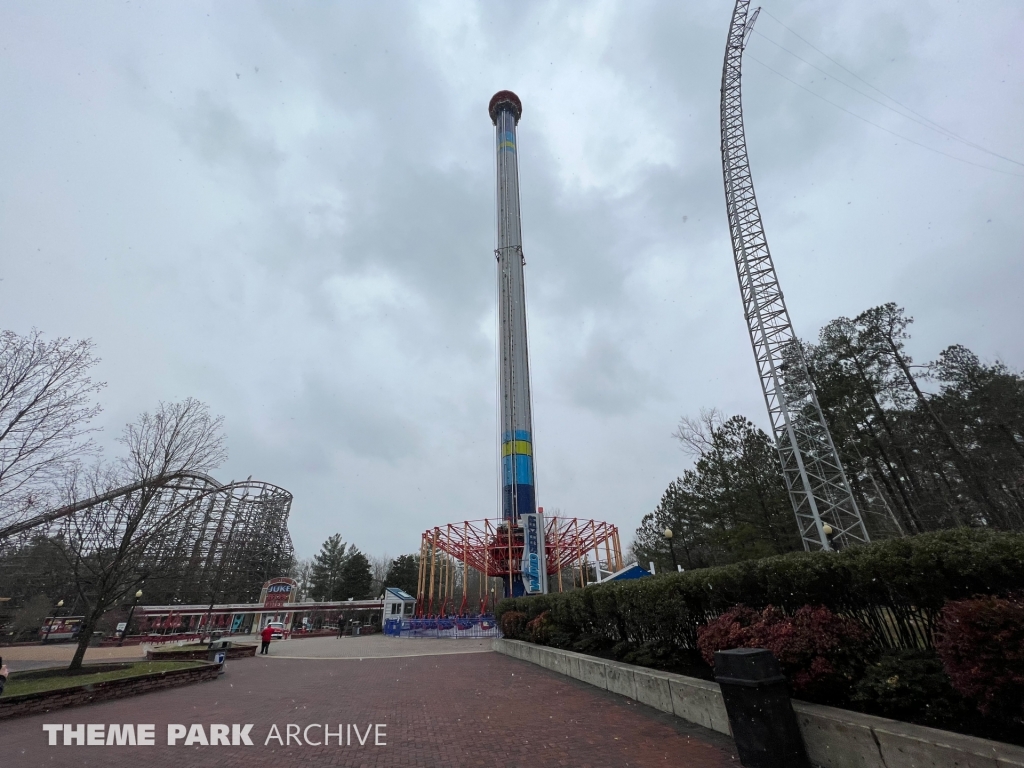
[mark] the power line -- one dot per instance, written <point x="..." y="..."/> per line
<point x="933" y="124"/>
<point x="882" y="127"/>
<point x="926" y="124"/>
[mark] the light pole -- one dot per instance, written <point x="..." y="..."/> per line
<point x="49" y="626"/>
<point x="131" y="613"/>
<point x="829" y="533"/>
<point x="667" y="533"/>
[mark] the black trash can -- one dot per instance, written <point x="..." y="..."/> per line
<point x="763" y="723"/>
<point x="218" y="653"/>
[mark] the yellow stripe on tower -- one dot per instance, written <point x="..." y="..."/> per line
<point x="518" y="447"/>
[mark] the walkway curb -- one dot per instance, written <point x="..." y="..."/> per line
<point x="835" y="738"/>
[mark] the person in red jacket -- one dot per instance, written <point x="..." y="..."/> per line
<point x="266" y="635"/>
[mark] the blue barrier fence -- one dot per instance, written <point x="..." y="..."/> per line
<point x="451" y="627"/>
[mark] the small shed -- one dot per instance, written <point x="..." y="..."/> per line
<point x="398" y="604"/>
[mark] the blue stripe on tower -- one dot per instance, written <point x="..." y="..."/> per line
<point x="517" y="473"/>
<point x="524" y="469"/>
<point x="526" y="500"/>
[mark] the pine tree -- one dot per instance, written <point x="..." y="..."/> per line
<point x="326" y="579"/>
<point x="404" y="573"/>
<point x="731" y="506"/>
<point x="356" y="577"/>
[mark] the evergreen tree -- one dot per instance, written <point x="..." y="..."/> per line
<point x="325" y="582"/>
<point x="404" y="573"/>
<point x="731" y="506"/>
<point x="356" y="577"/>
<point x="916" y="459"/>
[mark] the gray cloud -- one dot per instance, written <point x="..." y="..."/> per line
<point x="287" y="212"/>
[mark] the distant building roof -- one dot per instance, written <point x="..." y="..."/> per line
<point x="400" y="594"/>
<point x="633" y="571"/>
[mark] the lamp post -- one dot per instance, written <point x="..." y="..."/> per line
<point x="667" y="533"/>
<point x="131" y="613"/>
<point x="827" y="530"/>
<point x="49" y="626"/>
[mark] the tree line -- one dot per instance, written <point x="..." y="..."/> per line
<point x="924" y="446"/>
<point x="340" y="571"/>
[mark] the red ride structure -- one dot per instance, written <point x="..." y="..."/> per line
<point x="458" y="561"/>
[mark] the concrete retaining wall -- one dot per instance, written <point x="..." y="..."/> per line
<point x="199" y="654"/>
<point x="835" y="738"/>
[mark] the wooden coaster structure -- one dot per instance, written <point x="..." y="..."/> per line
<point x="457" y="561"/>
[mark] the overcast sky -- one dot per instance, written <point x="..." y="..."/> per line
<point x="286" y="210"/>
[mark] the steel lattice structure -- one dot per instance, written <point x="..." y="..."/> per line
<point x="450" y="553"/>
<point x="211" y="541"/>
<point x="814" y="474"/>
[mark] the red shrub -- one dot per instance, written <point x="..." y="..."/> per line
<point x="981" y="644"/>
<point x="539" y="628"/>
<point x="820" y="653"/>
<point x="513" y="625"/>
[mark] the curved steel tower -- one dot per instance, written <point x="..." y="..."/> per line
<point x="814" y="474"/>
<point x="518" y="495"/>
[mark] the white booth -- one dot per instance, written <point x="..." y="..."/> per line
<point x="398" y="604"/>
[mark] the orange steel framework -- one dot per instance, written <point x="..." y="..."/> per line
<point x="486" y="547"/>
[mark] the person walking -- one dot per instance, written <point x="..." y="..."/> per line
<point x="266" y="636"/>
<point x="4" y="674"/>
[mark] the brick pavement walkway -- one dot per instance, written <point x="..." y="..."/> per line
<point x="375" y="646"/>
<point x="472" y="710"/>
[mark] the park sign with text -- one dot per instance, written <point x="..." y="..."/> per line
<point x="534" y="565"/>
<point x="279" y="591"/>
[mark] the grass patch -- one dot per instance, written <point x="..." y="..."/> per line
<point x="36" y="681"/>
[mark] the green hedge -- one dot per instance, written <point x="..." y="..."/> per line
<point x="895" y="587"/>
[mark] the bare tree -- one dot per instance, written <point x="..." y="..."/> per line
<point x="696" y="434"/>
<point x="108" y="545"/>
<point x="45" y="408"/>
<point x="379" y="566"/>
<point x="302" y="572"/>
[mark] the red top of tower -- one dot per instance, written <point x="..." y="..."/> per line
<point x="505" y="99"/>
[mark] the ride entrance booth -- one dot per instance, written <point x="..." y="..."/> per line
<point x="398" y="605"/>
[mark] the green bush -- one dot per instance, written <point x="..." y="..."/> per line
<point x="896" y="588"/>
<point x="910" y="686"/>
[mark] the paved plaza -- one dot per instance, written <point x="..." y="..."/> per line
<point x="457" y="705"/>
<point x="20" y="658"/>
<point x="375" y="647"/>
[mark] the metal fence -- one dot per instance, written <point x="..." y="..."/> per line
<point x="450" y="627"/>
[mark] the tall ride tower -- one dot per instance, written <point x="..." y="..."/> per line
<point x="814" y="474"/>
<point x="518" y="495"/>
<point x="522" y="547"/>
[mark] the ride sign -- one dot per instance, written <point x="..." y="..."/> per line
<point x="277" y="592"/>
<point x="534" y="565"/>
